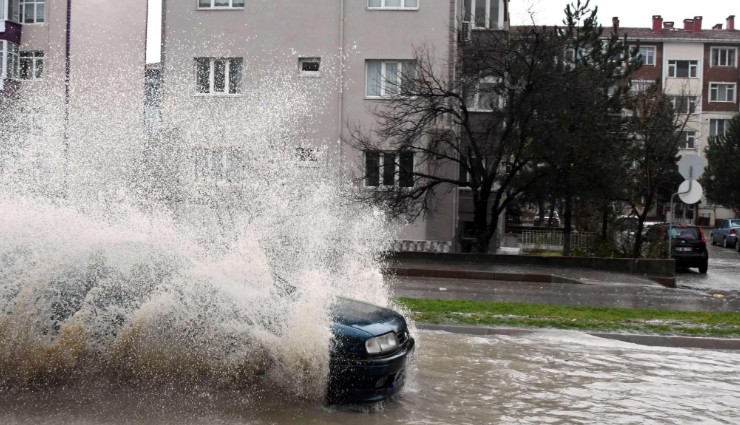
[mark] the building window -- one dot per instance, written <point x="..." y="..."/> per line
<point x="220" y="166"/>
<point x="31" y="65"/>
<point x="384" y="78"/>
<point x="684" y="104"/>
<point x="32" y="11"/>
<point x="687" y="140"/>
<point x="718" y="127"/>
<point x="220" y="4"/>
<point x="683" y="69"/>
<point x="646" y="55"/>
<point x="392" y="4"/>
<point x="389" y="169"/>
<point x="218" y="75"/>
<point x="484" y="13"/>
<point x="483" y="95"/>
<point x="640" y="86"/>
<point x="309" y="67"/>
<point x="722" y="92"/>
<point x="9" y="53"/>
<point x="724" y="56"/>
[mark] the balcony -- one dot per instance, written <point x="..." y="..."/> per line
<point x="10" y="31"/>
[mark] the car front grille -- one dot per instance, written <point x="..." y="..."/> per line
<point x="402" y="336"/>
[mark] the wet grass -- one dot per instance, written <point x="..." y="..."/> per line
<point x="521" y="315"/>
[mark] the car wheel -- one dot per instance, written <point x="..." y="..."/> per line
<point x="703" y="267"/>
<point x="711" y="238"/>
<point x="724" y="242"/>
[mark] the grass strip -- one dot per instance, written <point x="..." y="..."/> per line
<point x="596" y="319"/>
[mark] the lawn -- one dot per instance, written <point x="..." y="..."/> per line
<point x="521" y="315"/>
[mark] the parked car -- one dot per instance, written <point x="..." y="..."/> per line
<point x="370" y="351"/>
<point x="688" y="244"/>
<point x="726" y="233"/>
<point x="542" y="218"/>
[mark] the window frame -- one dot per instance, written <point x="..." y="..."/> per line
<point x="641" y="86"/>
<point x="308" y="59"/>
<point x="654" y="54"/>
<point x="23" y="5"/>
<point x="688" y="136"/>
<point x="469" y="15"/>
<point x="714" y="124"/>
<point x="383" y="5"/>
<point x="714" y="89"/>
<point x="36" y="58"/>
<point x="9" y="60"/>
<point x="230" y="162"/>
<point x="214" y="7"/>
<point x="673" y="68"/>
<point x="477" y="98"/>
<point x="384" y="94"/>
<point x="212" y="76"/>
<point x="728" y="49"/>
<point x="383" y="174"/>
<point x="691" y="104"/>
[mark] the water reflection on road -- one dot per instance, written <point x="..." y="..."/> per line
<point x="547" y="377"/>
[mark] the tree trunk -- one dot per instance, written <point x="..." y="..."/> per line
<point x="568" y="218"/>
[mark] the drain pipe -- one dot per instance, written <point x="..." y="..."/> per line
<point x="340" y="100"/>
<point x="67" y="72"/>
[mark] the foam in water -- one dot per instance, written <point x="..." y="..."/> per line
<point x="117" y="265"/>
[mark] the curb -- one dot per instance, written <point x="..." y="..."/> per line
<point x="648" y="340"/>
<point x="668" y="282"/>
<point x="483" y="275"/>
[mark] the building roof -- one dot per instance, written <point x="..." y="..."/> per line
<point x="678" y="34"/>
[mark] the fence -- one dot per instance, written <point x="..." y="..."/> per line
<point x="553" y="239"/>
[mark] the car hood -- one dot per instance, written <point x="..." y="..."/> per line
<point x="366" y="317"/>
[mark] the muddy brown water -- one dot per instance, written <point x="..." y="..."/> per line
<point x="548" y="377"/>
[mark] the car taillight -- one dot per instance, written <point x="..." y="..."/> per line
<point x="701" y="232"/>
<point x="732" y="232"/>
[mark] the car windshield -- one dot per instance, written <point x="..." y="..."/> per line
<point x="735" y="223"/>
<point x="685" y="233"/>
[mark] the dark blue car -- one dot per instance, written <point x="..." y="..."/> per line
<point x="371" y="349"/>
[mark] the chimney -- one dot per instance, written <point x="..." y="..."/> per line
<point x="688" y="25"/>
<point x="668" y="25"/>
<point x="717" y="27"/>
<point x="657" y="23"/>
<point x="697" y="23"/>
<point x="731" y="22"/>
<point x="615" y="23"/>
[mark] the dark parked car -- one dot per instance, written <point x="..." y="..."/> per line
<point x="688" y="244"/>
<point x="371" y="349"/>
<point x="726" y="233"/>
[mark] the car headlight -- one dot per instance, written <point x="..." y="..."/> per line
<point x="381" y="344"/>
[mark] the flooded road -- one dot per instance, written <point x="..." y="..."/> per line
<point x="721" y="276"/>
<point x="547" y="377"/>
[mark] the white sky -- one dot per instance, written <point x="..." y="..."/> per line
<point x="631" y="13"/>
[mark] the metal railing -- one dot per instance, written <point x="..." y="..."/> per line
<point x="553" y="239"/>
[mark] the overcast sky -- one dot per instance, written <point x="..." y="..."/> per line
<point x="631" y="13"/>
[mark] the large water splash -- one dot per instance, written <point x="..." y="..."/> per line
<point x="121" y="260"/>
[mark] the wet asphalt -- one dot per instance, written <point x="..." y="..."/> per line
<point x="718" y="290"/>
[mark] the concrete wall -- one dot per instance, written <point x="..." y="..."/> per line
<point x="314" y="111"/>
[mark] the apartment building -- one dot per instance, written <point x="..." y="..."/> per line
<point x="258" y="64"/>
<point x="698" y="68"/>
<point x="72" y="85"/>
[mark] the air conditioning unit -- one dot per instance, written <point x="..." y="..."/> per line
<point x="465" y="31"/>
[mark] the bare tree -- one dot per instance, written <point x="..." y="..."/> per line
<point x="657" y="127"/>
<point x="478" y="129"/>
